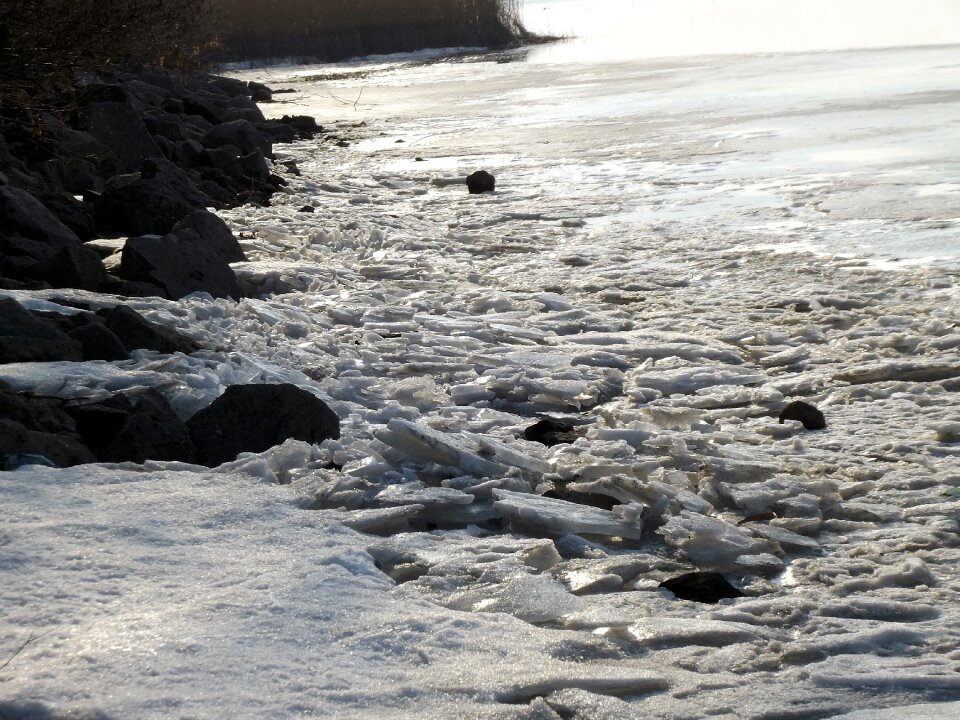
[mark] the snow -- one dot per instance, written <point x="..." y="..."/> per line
<point x="432" y="561"/>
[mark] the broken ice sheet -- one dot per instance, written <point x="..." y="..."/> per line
<point x="678" y="632"/>
<point x="554" y="516"/>
<point x="531" y="598"/>
<point x="711" y="543"/>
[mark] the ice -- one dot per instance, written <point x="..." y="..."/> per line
<point x="714" y="633"/>
<point x="561" y="517"/>
<point x="711" y="543"/>
<point x="432" y="562"/>
<point x="920" y="711"/>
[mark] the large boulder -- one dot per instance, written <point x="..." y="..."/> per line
<point x="61" y="450"/>
<point x="179" y="264"/>
<point x="253" y="418"/>
<point x="73" y="266"/>
<point x="76" y="215"/>
<point x="38" y="427"/>
<point x="214" y="232"/>
<point x="150" y="202"/>
<point x="134" y="428"/>
<point x="26" y="338"/>
<point x="241" y="134"/>
<point x="119" y="125"/>
<point x="481" y="182"/>
<point x="135" y="332"/>
<point x="22" y="214"/>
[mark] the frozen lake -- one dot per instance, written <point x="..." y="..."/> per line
<point x="677" y="248"/>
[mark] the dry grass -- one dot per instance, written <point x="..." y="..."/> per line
<point x="335" y="29"/>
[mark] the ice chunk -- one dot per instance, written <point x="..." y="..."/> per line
<point x="894" y="674"/>
<point x="688" y="380"/>
<point x="921" y="711"/>
<point x="911" y="573"/>
<point x="381" y="520"/>
<point x="561" y="517"/>
<point x="532" y="598"/>
<point x="428" y="445"/>
<point x="711" y="543"/>
<point x="887" y="639"/>
<point x="609" y="680"/>
<point x="417" y="493"/>
<point x="677" y="632"/>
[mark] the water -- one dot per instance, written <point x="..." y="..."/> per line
<point x="617" y="29"/>
<point x="851" y="148"/>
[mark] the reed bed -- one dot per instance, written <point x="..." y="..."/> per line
<point x="337" y="29"/>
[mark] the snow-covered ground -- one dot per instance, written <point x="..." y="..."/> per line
<point x="676" y="248"/>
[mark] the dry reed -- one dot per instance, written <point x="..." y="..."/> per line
<point x="335" y="29"/>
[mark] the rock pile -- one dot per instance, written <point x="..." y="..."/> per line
<point x="140" y="156"/>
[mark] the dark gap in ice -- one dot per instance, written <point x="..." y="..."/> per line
<point x="703" y="587"/>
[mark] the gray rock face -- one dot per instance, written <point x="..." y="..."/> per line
<point x="215" y="233"/>
<point x="26" y="338"/>
<point x="135" y="332"/>
<point x="239" y="133"/>
<point x="120" y="126"/>
<point x="178" y="264"/>
<point x="27" y="217"/>
<point x="151" y="202"/>
<point x="253" y="418"/>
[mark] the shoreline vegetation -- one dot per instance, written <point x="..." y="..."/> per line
<point x="342" y="29"/>
<point x="46" y="45"/>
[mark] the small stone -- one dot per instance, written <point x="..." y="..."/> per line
<point x="481" y="182"/>
<point x="806" y="413"/>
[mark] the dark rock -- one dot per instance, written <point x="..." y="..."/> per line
<point x="307" y="209"/>
<point x="71" y="212"/>
<point x="254" y="166"/>
<point x="98" y="423"/>
<point x="120" y="126"/>
<point x="125" y="429"/>
<point x="240" y="133"/>
<point x="165" y="125"/>
<point x="229" y="86"/>
<point x="179" y="264"/>
<point x="99" y="343"/>
<point x="64" y="450"/>
<point x="303" y="125"/>
<point x="130" y="288"/>
<point x="135" y="332"/>
<point x="45" y="415"/>
<point x="226" y="160"/>
<point x="189" y="152"/>
<point x="480" y="182"/>
<point x="73" y="266"/>
<point x="259" y="92"/>
<point x="152" y="431"/>
<point x="277" y="132"/>
<point x="208" y="106"/>
<point x="26" y="338"/>
<point x="253" y="418"/>
<point x="23" y="214"/>
<point x="214" y="232"/>
<point x="703" y="587"/>
<point x="806" y="413"/>
<point x="174" y="106"/>
<point x="151" y="202"/>
<point x="550" y="432"/>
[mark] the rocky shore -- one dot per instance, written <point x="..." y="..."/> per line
<point x="111" y="193"/>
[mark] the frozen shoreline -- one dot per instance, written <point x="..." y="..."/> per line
<point x="427" y="316"/>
